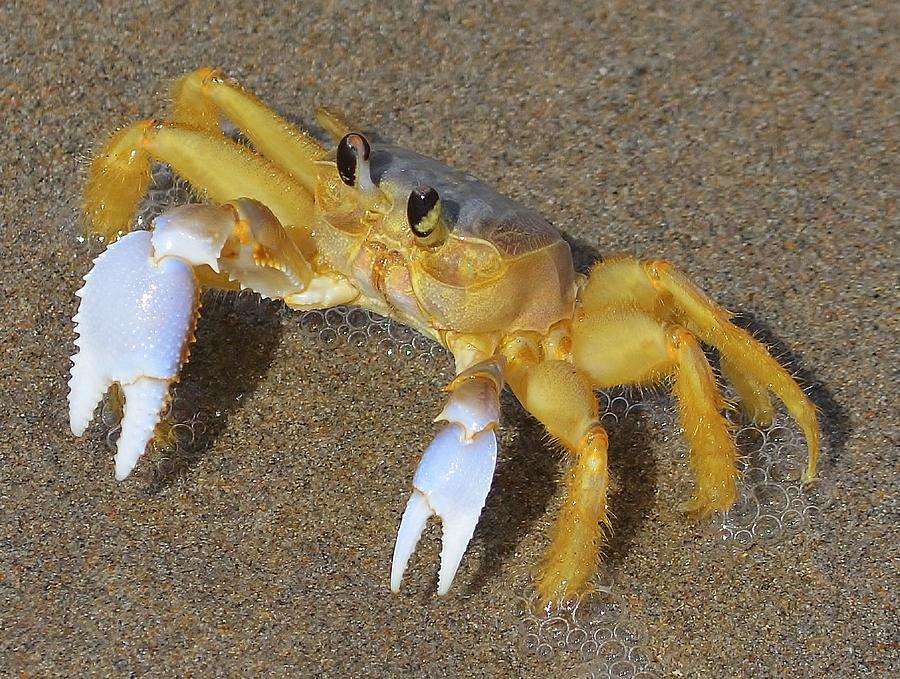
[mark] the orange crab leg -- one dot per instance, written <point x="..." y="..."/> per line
<point x="615" y="347"/>
<point x="212" y="163"/>
<point x="660" y="289"/>
<point x="202" y="97"/>
<point x="561" y="398"/>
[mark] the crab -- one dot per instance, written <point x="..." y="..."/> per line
<point x="402" y="235"/>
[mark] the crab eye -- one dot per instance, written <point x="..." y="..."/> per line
<point x="353" y="161"/>
<point x="423" y="211"/>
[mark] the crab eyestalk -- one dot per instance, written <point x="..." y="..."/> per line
<point x="425" y="214"/>
<point x="353" y="154"/>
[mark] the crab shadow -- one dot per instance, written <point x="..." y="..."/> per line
<point x="236" y="340"/>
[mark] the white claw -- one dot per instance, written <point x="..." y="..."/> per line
<point x="144" y="401"/>
<point x="474" y="405"/>
<point x="193" y="232"/>
<point x="135" y="322"/>
<point x="452" y="482"/>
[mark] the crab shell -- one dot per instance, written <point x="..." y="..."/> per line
<point x="480" y="279"/>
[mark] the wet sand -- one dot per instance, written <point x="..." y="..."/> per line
<point x="755" y="147"/>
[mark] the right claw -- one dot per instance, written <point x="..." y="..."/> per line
<point x="136" y="321"/>
<point x="452" y="482"/>
<point x="454" y="476"/>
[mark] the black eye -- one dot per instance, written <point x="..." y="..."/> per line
<point x="421" y="202"/>
<point x="349" y="150"/>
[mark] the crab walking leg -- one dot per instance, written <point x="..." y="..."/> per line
<point x="213" y="164"/>
<point x="659" y="288"/>
<point x="455" y="473"/>
<point x="624" y="283"/>
<point x="140" y="304"/>
<point x="633" y="348"/>
<point x="202" y="96"/>
<point x="752" y="393"/>
<point x="333" y="123"/>
<point x="562" y="400"/>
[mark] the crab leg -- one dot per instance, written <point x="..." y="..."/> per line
<point x="455" y="473"/>
<point x="216" y="166"/>
<point x="140" y="304"/>
<point x="203" y="95"/>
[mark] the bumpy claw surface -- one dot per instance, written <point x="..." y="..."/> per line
<point x="135" y="323"/>
<point x="455" y="474"/>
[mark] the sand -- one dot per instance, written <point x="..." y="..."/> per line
<point x="755" y="146"/>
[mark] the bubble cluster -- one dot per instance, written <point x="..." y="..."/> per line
<point x="773" y="504"/>
<point x="595" y="637"/>
<point x="592" y="636"/>
<point x="365" y="329"/>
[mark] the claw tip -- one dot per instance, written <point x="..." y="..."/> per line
<point x="123" y="470"/>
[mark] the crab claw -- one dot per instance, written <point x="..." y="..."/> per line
<point x="452" y="482"/>
<point x="135" y="323"/>
<point x="455" y="473"/>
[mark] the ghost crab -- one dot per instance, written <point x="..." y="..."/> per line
<point x="401" y="234"/>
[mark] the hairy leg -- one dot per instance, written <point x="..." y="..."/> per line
<point x="562" y="400"/>
<point x="632" y="347"/>
<point x="212" y="163"/>
<point x="202" y="97"/>
<point x="664" y="292"/>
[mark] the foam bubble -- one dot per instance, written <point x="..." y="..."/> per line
<point x="773" y="462"/>
<point x="591" y="636"/>
<point x="367" y="330"/>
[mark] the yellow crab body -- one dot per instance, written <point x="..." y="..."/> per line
<point x="401" y="234"/>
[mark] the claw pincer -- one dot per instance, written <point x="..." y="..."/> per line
<point x="135" y="323"/>
<point x="455" y="473"/>
<point x="141" y="300"/>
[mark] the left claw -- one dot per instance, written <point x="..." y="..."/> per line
<point x="454" y="475"/>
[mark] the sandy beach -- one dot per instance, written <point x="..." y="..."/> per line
<point x="755" y="145"/>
